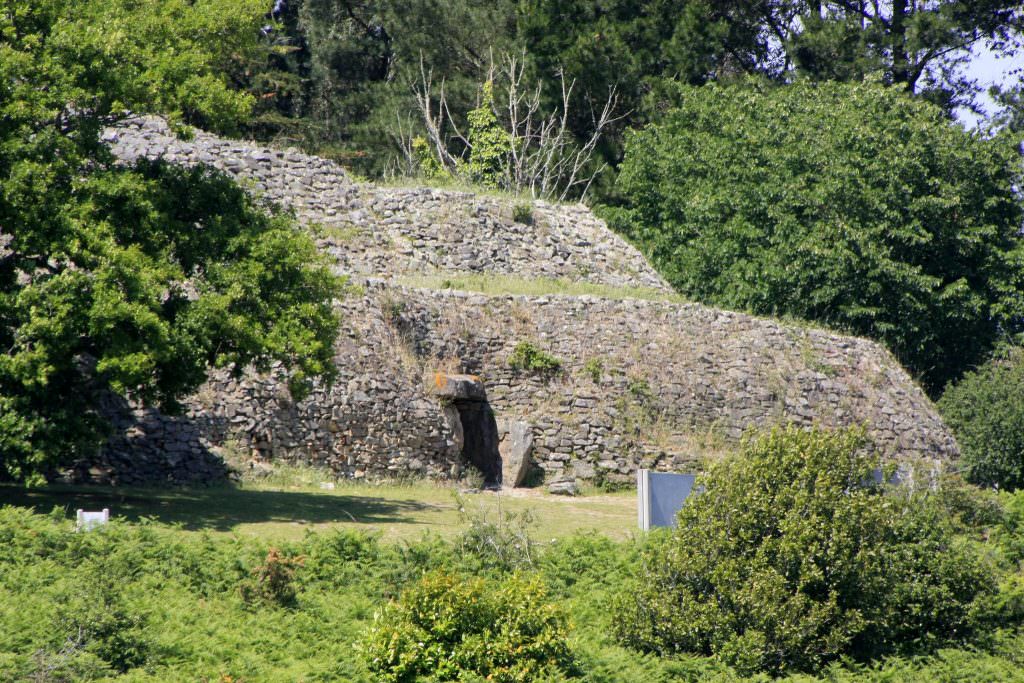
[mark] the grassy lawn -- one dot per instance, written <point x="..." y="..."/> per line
<point x="284" y="506"/>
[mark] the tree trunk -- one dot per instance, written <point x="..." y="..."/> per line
<point x="898" y="40"/>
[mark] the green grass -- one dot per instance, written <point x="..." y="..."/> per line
<point x="290" y="502"/>
<point x="495" y="285"/>
<point x="451" y="184"/>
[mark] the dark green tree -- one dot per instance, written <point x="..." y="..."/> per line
<point x="637" y="46"/>
<point x="336" y="75"/>
<point x="852" y="205"/>
<point x="922" y="47"/>
<point x="132" y="280"/>
<point x="633" y="47"/>
<point x="363" y="58"/>
<point x="1009" y="101"/>
<point x="276" y="74"/>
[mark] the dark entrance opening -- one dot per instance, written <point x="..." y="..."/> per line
<point x="479" y="430"/>
<point x="480" y="439"/>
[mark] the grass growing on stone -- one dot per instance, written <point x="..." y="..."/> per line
<point x="495" y="285"/>
<point x="455" y="185"/>
<point x="289" y="502"/>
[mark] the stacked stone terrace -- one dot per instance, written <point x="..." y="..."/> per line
<point x="391" y="231"/>
<point x="642" y="383"/>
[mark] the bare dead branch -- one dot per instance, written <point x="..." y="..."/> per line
<point x="544" y="158"/>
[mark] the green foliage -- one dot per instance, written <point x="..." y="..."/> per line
<point x="640" y="390"/>
<point x="449" y="628"/>
<point x="523" y="213"/>
<point x="605" y="45"/>
<point x="1010" y="99"/>
<point x="336" y="75"/>
<point x="594" y="368"/>
<point x="159" y="603"/>
<point x="66" y="63"/>
<point x="429" y="166"/>
<point x="155" y="602"/>
<point x="356" y="62"/>
<point x="501" y="541"/>
<point x="489" y="144"/>
<point x="919" y="47"/>
<point x="273" y="581"/>
<point x="96" y="623"/>
<point x="849" y="205"/>
<point x="134" y="280"/>
<point x="529" y="357"/>
<point x="985" y="410"/>
<point x="793" y="557"/>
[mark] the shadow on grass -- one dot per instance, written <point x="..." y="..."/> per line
<point x="219" y="509"/>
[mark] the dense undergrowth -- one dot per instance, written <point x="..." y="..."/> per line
<point x="151" y="602"/>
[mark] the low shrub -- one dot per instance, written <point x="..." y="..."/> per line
<point x="334" y="556"/>
<point x="793" y="557"/>
<point x="522" y="213"/>
<point x="448" y="627"/>
<point x="150" y="601"/>
<point x="93" y="621"/>
<point x="985" y="410"/>
<point x="273" y="581"/>
<point x="501" y="541"/>
<point x="527" y="356"/>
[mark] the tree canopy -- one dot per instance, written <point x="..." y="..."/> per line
<point x="134" y="280"/>
<point x="921" y="47"/>
<point x="852" y="205"/>
<point x="340" y="73"/>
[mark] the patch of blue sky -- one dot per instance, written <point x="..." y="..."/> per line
<point x="989" y="69"/>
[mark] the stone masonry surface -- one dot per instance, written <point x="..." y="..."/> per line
<point x="642" y="383"/>
<point x="392" y="231"/>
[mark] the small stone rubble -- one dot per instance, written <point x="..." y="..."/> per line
<point x="647" y="384"/>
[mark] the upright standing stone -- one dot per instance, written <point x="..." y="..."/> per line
<point x="515" y="449"/>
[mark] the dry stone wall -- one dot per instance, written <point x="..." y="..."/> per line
<point x="657" y="384"/>
<point x="391" y="231"/>
<point x="641" y="383"/>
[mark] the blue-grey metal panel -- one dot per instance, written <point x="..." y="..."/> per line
<point x="667" y="492"/>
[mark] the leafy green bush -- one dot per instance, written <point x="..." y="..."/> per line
<point x="490" y="145"/>
<point x="93" y="618"/>
<point x="985" y="410"/>
<point x="523" y="213"/>
<point x="793" y="557"/>
<point x="1009" y="535"/>
<point x="527" y="356"/>
<point x="161" y="603"/>
<point x="452" y="628"/>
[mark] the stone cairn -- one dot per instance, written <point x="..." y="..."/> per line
<point x="426" y="386"/>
